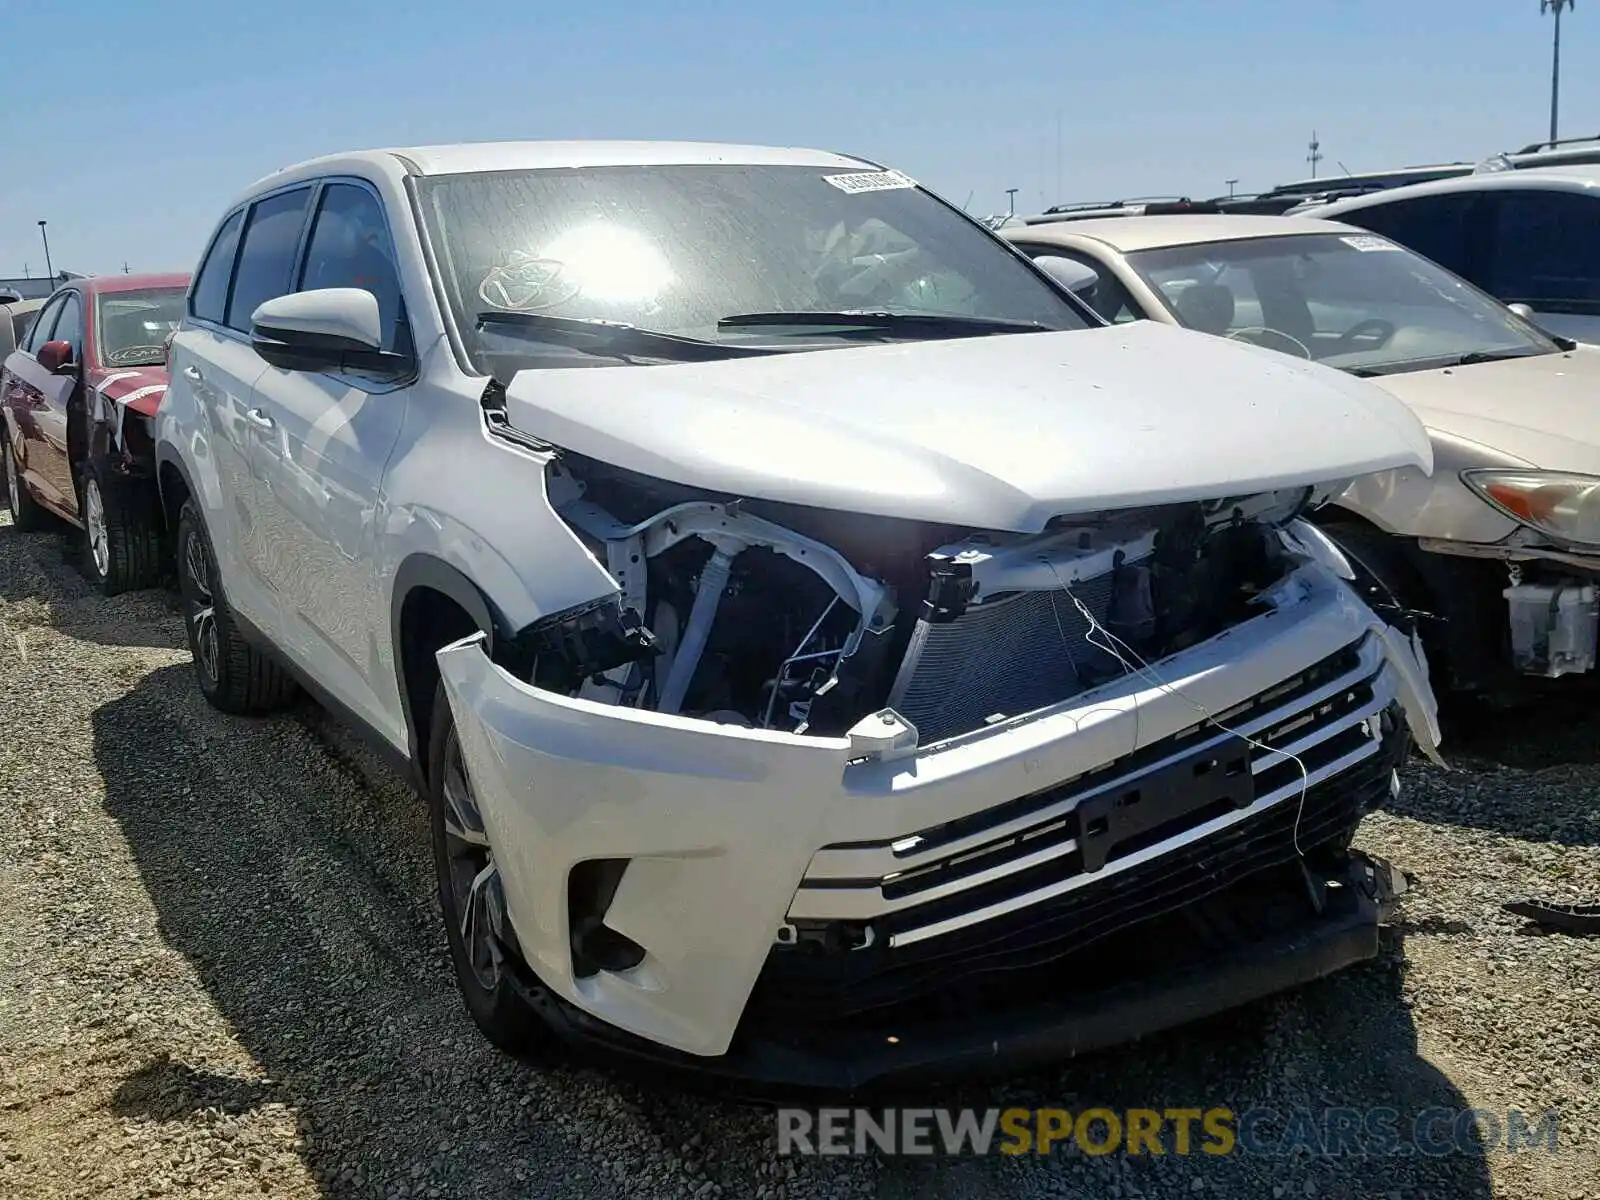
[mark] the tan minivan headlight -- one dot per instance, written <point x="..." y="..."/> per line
<point x="1563" y="505"/>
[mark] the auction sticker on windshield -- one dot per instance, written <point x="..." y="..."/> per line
<point x="870" y="181"/>
<point x="1368" y="242"/>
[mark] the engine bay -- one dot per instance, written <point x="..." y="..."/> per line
<point x="802" y="620"/>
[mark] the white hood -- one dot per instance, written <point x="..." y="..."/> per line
<point x="1000" y="432"/>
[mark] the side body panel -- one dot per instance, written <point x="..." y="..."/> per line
<point x="317" y="473"/>
<point x="205" y="416"/>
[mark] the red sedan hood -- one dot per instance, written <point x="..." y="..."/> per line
<point x="138" y="388"/>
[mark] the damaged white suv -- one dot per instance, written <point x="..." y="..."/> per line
<point x="830" y="652"/>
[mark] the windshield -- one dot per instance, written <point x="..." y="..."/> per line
<point x="1357" y="302"/>
<point x="133" y="326"/>
<point x="680" y="249"/>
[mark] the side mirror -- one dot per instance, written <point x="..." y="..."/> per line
<point x="1532" y="318"/>
<point x="1071" y="274"/>
<point x="56" y="357"/>
<point x="327" y="329"/>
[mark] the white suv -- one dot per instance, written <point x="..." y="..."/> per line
<point x="816" y="633"/>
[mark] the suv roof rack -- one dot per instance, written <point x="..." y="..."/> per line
<point x="1130" y="202"/>
<point x="1372" y="181"/>
<point x="1152" y="206"/>
<point x="1536" y="147"/>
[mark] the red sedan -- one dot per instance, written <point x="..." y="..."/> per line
<point x="78" y="400"/>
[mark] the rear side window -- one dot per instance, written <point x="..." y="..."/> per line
<point x="1547" y="251"/>
<point x="210" y="299"/>
<point x="1436" y="227"/>
<point x="266" y="259"/>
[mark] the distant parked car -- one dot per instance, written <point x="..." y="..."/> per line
<point x="1503" y="542"/>
<point x="1530" y="237"/>
<point x="14" y="325"/>
<point x="78" y="394"/>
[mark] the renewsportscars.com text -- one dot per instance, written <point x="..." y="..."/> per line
<point x="1328" y="1132"/>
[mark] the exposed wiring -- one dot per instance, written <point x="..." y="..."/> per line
<point x="1145" y="670"/>
<point x="1089" y="637"/>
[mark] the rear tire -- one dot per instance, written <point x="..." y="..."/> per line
<point x="234" y="676"/>
<point x="483" y="958"/>
<point x="123" y="546"/>
<point x="26" y="515"/>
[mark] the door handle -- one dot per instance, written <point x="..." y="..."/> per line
<point x="192" y="374"/>
<point x="259" y="419"/>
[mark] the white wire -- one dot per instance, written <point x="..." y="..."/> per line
<point x="1148" y="672"/>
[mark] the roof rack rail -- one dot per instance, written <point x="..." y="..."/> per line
<point x="1088" y="205"/>
<point x="1575" y="141"/>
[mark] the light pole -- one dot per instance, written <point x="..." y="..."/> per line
<point x="1230" y="183"/>
<point x="49" y="269"/>
<point x="1555" y="6"/>
<point x="1011" y="202"/>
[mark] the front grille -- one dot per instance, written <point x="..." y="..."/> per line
<point x="1184" y="901"/>
<point x="1096" y="852"/>
<point x="1004" y="658"/>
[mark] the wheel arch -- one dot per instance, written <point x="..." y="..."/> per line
<point x="172" y="483"/>
<point x="432" y="604"/>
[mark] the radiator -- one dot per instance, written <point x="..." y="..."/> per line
<point x="1000" y="659"/>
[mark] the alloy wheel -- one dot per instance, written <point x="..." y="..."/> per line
<point x="475" y="883"/>
<point x="202" y="608"/>
<point x="94" y="523"/>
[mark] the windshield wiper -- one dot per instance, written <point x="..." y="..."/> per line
<point x="1473" y="357"/>
<point x="875" y="321"/>
<point x="616" y="338"/>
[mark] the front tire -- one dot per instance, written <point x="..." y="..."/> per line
<point x="26" y="515"/>
<point x="234" y="676"/>
<point x="482" y="944"/>
<point x="122" y="532"/>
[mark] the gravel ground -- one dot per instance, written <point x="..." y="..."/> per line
<point x="222" y="974"/>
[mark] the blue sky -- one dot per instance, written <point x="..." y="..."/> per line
<point x="130" y="136"/>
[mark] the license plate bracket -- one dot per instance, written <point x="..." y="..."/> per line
<point x="1215" y="778"/>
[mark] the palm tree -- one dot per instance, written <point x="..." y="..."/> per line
<point x="1555" y="6"/>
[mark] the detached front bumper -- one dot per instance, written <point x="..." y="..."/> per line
<point x="1360" y="897"/>
<point x="745" y="847"/>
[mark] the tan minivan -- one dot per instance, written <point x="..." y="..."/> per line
<point x="1499" y="551"/>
